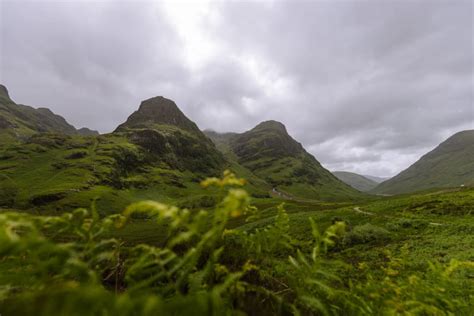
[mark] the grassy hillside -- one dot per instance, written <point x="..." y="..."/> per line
<point x="274" y="156"/>
<point x="291" y="239"/>
<point x="451" y="164"/>
<point x="405" y="255"/>
<point x="51" y="172"/>
<point x="56" y="172"/>
<point x="355" y="180"/>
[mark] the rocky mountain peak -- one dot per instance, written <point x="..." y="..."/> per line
<point x="159" y="110"/>
<point x="268" y="138"/>
<point x="4" y="92"/>
<point x="271" y="125"/>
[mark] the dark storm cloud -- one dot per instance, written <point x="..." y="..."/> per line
<point x="366" y="86"/>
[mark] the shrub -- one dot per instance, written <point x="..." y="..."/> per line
<point x="8" y="192"/>
<point x="365" y="234"/>
<point x="76" y="154"/>
<point x="408" y="223"/>
<point x="69" y="265"/>
<point x="79" y="272"/>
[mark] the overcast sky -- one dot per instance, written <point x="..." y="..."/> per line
<point x="365" y="86"/>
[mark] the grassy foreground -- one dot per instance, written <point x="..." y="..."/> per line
<point x="407" y="255"/>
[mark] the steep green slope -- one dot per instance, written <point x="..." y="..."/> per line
<point x="355" y="180"/>
<point x="163" y="131"/>
<point x="51" y="172"/>
<point x="155" y="159"/>
<point x="255" y="185"/>
<point x="451" y="164"/>
<point x="272" y="155"/>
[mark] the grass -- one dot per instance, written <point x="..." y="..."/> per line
<point x="391" y="239"/>
<point x="386" y="241"/>
<point x="53" y="173"/>
<point x="436" y="226"/>
<point x="272" y="155"/>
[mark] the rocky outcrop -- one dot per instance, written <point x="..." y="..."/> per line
<point x="159" y="111"/>
<point x="4" y="92"/>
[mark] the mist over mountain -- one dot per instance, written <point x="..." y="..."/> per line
<point x="357" y="181"/>
<point x="159" y="111"/>
<point x="376" y="179"/>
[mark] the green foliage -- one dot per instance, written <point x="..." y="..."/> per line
<point x="72" y="265"/>
<point x="367" y="233"/>
<point x="8" y="192"/>
<point x="434" y="293"/>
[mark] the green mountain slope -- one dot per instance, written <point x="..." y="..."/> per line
<point x="163" y="157"/>
<point x="355" y="180"/>
<point x="165" y="133"/>
<point x="19" y="121"/>
<point x="274" y="156"/>
<point x="450" y="164"/>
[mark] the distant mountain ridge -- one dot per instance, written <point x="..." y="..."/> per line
<point x="162" y="129"/>
<point x="159" y="150"/>
<point x="159" y="111"/>
<point x="21" y="121"/>
<point x="450" y="164"/>
<point x="375" y="179"/>
<point x="157" y="153"/>
<point x="355" y="180"/>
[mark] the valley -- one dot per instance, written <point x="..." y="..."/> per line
<point x="161" y="216"/>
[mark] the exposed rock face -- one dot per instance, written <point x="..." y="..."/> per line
<point x="271" y="154"/>
<point x="4" y="123"/>
<point x="268" y="138"/>
<point x="47" y="121"/>
<point x="160" y="111"/>
<point x="4" y="92"/>
<point x="167" y="135"/>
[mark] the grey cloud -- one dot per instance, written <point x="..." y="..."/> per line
<point x="89" y="61"/>
<point x="366" y="86"/>
<point x="382" y="75"/>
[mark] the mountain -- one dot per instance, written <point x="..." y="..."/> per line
<point x="451" y="164"/>
<point x="355" y="180"/>
<point x="18" y="121"/>
<point x="159" y="111"/>
<point x="4" y="92"/>
<point x="165" y="133"/>
<point x="158" y="153"/>
<point x="376" y="179"/>
<point x="271" y="154"/>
